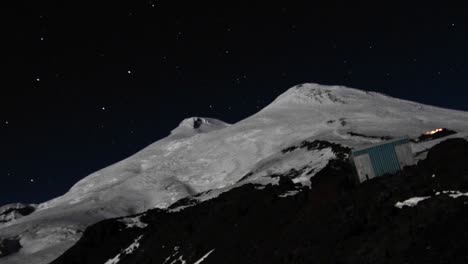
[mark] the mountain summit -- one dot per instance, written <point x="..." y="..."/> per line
<point x="315" y="94"/>
<point x="198" y="125"/>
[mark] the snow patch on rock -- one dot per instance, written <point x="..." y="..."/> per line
<point x="411" y="202"/>
<point x="204" y="257"/>
<point x="290" y="193"/>
<point x="173" y="259"/>
<point x="455" y="194"/>
<point x="133" y="222"/>
<point x="129" y="250"/>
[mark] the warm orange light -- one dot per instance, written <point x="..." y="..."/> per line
<point x="434" y="131"/>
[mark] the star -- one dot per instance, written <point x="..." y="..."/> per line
<point x="42" y="38"/>
<point x="38" y="80"/>
<point x="31" y="180"/>
<point x="6" y="122"/>
<point x="103" y="108"/>
<point x="129" y="72"/>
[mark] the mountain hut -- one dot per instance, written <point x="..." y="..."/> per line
<point x="383" y="158"/>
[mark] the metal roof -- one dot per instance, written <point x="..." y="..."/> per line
<point x="394" y="142"/>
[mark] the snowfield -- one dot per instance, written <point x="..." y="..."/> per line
<point x="208" y="155"/>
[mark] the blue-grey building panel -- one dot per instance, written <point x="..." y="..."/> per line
<point x="393" y="143"/>
<point x="383" y="157"/>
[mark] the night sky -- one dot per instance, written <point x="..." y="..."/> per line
<point x="86" y="84"/>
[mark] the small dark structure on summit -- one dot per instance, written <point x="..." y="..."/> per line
<point x="384" y="158"/>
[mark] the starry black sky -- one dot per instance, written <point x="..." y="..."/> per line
<point x="86" y="84"/>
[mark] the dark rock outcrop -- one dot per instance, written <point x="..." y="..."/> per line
<point x="11" y="212"/>
<point x="9" y="246"/>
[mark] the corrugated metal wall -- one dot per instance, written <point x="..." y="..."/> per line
<point x="383" y="157"/>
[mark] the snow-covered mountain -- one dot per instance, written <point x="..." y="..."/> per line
<point x="205" y="154"/>
<point x="417" y="215"/>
